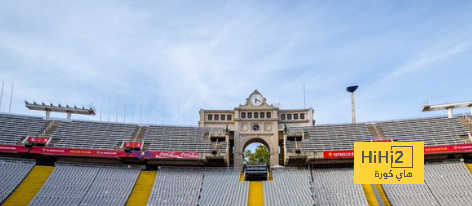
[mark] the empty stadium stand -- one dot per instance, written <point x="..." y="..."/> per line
<point x="445" y="184"/>
<point x="450" y="183"/>
<point x="93" y="135"/>
<point x="83" y="184"/>
<point x="290" y="186"/>
<point x="174" y="138"/>
<point x="335" y="137"/>
<point x="431" y="131"/>
<point x="12" y="173"/>
<point x="29" y="187"/>
<point x="14" y="128"/>
<point x="222" y="187"/>
<point x="336" y="187"/>
<point x="176" y="187"/>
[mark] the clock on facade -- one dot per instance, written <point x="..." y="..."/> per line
<point x="256" y="99"/>
<point x="255" y="127"/>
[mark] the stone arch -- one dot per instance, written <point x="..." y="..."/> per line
<point x="256" y="140"/>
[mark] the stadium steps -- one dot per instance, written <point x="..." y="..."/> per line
<point x="382" y="194"/>
<point x="467" y="122"/>
<point x="139" y="135"/>
<point x="52" y="126"/>
<point x="374" y="129"/>
<point x="28" y="188"/>
<point x="369" y="194"/>
<point x="469" y="166"/>
<point x="256" y="194"/>
<point x="142" y="189"/>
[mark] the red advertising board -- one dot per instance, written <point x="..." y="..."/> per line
<point x="448" y="149"/>
<point x="76" y="152"/>
<point x="12" y="149"/>
<point x="174" y="155"/>
<point x="387" y="140"/>
<point x="348" y="154"/>
<point x="338" y="154"/>
<point x="98" y="153"/>
<point x="38" y="140"/>
<point x="133" y="144"/>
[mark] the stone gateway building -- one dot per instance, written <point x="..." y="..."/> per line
<point x="256" y="121"/>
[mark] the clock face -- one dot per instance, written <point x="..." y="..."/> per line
<point x="256" y="100"/>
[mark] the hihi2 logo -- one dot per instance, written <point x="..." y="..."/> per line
<point x="388" y="163"/>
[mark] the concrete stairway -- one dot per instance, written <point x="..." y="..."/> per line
<point x="369" y="194"/>
<point x="26" y="191"/>
<point x="377" y="134"/>
<point x="142" y="189"/>
<point x="375" y="195"/>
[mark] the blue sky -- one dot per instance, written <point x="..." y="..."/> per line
<point x="188" y="55"/>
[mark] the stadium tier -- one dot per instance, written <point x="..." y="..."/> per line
<point x="446" y="183"/>
<point x="93" y="135"/>
<point x="222" y="187"/>
<point x="12" y="172"/>
<point x="289" y="187"/>
<point x="170" y="138"/>
<point x="79" y="184"/>
<point x="14" y="128"/>
<point x="176" y="187"/>
<point x="336" y="187"/>
<point x="431" y="131"/>
<point x="335" y="137"/>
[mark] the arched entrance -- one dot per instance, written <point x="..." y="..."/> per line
<point x="243" y="141"/>
<point x="256" y="151"/>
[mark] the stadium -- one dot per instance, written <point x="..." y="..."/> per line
<point x="235" y="103"/>
<point x="48" y="161"/>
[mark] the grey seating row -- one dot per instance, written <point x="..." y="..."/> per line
<point x="76" y="184"/>
<point x="222" y="187"/>
<point x="174" y="138"/>
<point x="15" y="127"/>
<point x="93" y="135"/>
<point x="335" y="137"/>
<point x="431" y="131"/>
<point x="176" y="187"/>
<point x="12" y="173"/>
<point x="289" y="187"/>
<point x="444" y="184"/>
<point x="333" y="187"/>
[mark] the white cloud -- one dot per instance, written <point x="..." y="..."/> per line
<point x="213" y="54"/>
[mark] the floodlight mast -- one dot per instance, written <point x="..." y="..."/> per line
<point x="60" y="109"/>
<point x="351" y="90"/>
<point x="448" y="106"/>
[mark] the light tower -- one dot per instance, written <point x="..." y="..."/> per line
<point x="60" y="109"/>
<point x="351" y="90"/>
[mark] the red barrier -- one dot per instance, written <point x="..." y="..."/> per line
<point x="12" y="149"/>
<point x="174" y="155"/>
<point x="38" y="140"/>
<point x="346" y="154"/>
<point x="448" y="149"/>
<point x="54" y="151"/>
<point x="387" y="140"/>
<point x="133" y="144"/>
<point x="349" y="154"/>
<point x="76" y="152"/>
